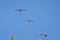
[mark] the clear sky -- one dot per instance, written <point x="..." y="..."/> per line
<point x="45" y="13"/>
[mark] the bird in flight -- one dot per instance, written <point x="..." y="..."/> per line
<point x="45" y="35"/>
<point x="21" y="10"/>
<point x="29" y="21"/>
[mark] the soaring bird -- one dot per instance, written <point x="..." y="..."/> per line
<point x="21" y="10"/>
<point x="45" y="35"/>
<point x="29" y="21"/>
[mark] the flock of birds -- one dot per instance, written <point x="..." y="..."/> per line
<point x="22" y="10"/>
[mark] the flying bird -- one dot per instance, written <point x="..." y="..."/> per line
<point x="29" y="21"/>
<point x="45" y="35"/>
<point x="21" y="10"/>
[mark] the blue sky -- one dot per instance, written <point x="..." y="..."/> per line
<point x="45" y="13"/>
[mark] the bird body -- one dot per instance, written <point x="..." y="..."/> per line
<point x="29" y="21"/>
<point x="20" y="10"/>
<point x="45" y="35"/>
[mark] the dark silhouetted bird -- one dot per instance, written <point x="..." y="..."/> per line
<point x="29" y="21"/>
<point x="20" y="10"/>
<point x="45" y="35"/>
